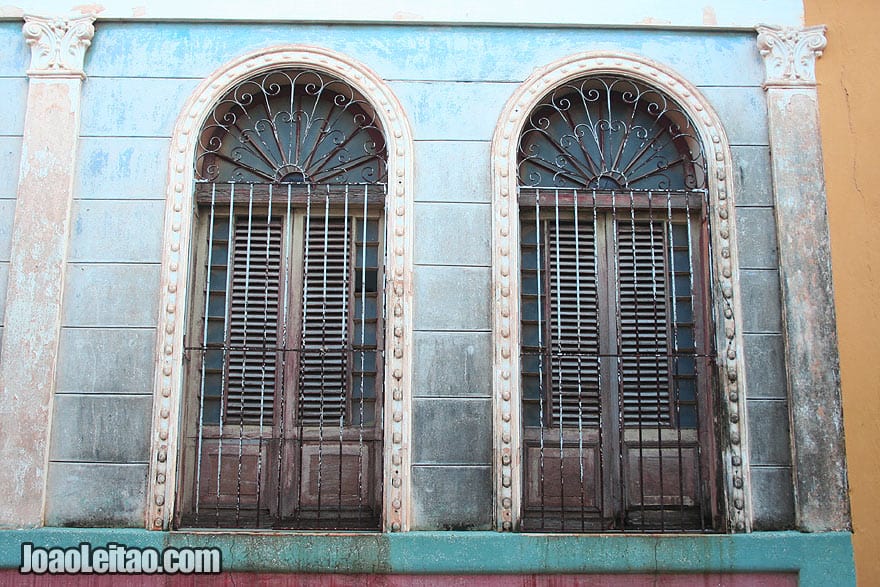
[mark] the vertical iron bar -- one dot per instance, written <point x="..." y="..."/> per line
<point x="601" y="477"/>
<point x="698" y="485"/>
<point x="580" y="350"/>
<point x="656" y="344"/>
<point x="282" y="414"/>
<point x="363" y="296"/>
<point x="302" y="350"/>
<point x="561" y="384"/>
<point x="344" y="340"/>
<point x="204" y="353"/>
<point x="538" y="273"/>
<point x="244" y="352"/>
<point x="621" y="437"/>
<point x="264" y="355"/>
<point x="638" y="355"/>
<point x="224" y="383"/>
<point x="323" y="352"/>
<point x="297" y="115"/>
<point x="675" y="363"/>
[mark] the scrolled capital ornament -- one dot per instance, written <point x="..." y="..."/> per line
<point x="58" y="46"/>
<point x="790" y="54"/>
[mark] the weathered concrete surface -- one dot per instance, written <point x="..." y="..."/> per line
<point x="808" y="310"/>
<point x="817" y="559"/>
<point x="706" y="13"/>
<point x="33" y="299"/>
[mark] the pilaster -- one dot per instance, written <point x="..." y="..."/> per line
<point x="805" y="272"/>
<point x="38" y="255"/>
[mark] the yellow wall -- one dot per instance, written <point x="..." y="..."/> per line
<point x="849" y="101"/>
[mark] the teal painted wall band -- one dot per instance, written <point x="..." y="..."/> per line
<point x="820" y="559"/>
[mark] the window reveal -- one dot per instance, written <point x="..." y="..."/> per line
<point x="616" y="351"/>
<point x="285" y="429"/>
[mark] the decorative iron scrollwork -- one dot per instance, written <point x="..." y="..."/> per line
<point x="292" y="126"/>
<point x="609" y="133"/>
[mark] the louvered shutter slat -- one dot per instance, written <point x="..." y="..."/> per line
<point x="574" y="399"/>
<point x="253" y="321"/>
<point x="323" y="377"/>
<point x="643" y="323"/>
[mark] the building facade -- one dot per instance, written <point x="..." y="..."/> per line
<point x="423" y="293"/>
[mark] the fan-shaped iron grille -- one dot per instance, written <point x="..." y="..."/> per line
<point x="608" y="133"/>
<point x="292" y="126"/>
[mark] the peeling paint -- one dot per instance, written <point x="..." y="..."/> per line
<point x="744" y="14"/>
<point x="650" y="20"/>
<point x="28" y="356"/>
<point x="7" y="11"/>
<point x="709" y="16"/>
<point x="88" y="9"/>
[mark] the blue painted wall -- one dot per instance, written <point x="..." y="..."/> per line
<point x="452" y="82"/>
<point x="13" y="86"/>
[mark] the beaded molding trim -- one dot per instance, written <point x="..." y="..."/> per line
<point x="168" y="382"/>
<point x="505" y="263"/>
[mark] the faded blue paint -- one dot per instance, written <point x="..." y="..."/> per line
<point x="106" y="360"/>
<point x="452" y="171"/>
<point x="16" y="56"/>
<point x="743" y="112"/>
<point x="10" y="158"/>
<point x="111" y="295"/>
<point x="111" y="495"/>
<point x="95" y="163"/>
<point x="122" y="168"/>
<point x="133" y="107"/>
<point x="7" y="216"/>
<point x="14" y="92"/>
<point x="453" y="111"/>
<point x="819" y="559"/>
<point x="117" y="231"/>
<point x="86" y="428"/>
<point x="4" y="280"/>
<point x="405" y="52"/>
<point x="452" y="83"/>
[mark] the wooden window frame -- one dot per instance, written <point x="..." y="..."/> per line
<point x="603" y="211"/>
<point x="285" y="387"/>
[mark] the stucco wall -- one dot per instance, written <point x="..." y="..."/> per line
<point x="850" y="125"/>
<point x="13" y="84"/>
<point x="452" y="83"/>
<point x="701" y="13"/>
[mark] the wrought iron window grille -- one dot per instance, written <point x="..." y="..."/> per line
<point x="617" y="356"/>
<point x="284" y="413"/>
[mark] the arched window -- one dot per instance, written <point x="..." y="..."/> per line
<point x="284" y="358"/>
<point x="615" y="324"/>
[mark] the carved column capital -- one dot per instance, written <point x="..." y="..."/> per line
<point x="790" y="54"/>
<point x="58" y="46"/>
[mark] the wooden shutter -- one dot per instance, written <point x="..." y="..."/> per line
<point x="323" y="367"/>
<point x="253" y="320"/>
<point x="574" y="325"/>
<point x="643" y="323"/>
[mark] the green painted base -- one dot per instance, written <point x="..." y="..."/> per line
<point x="819" y="559"/>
